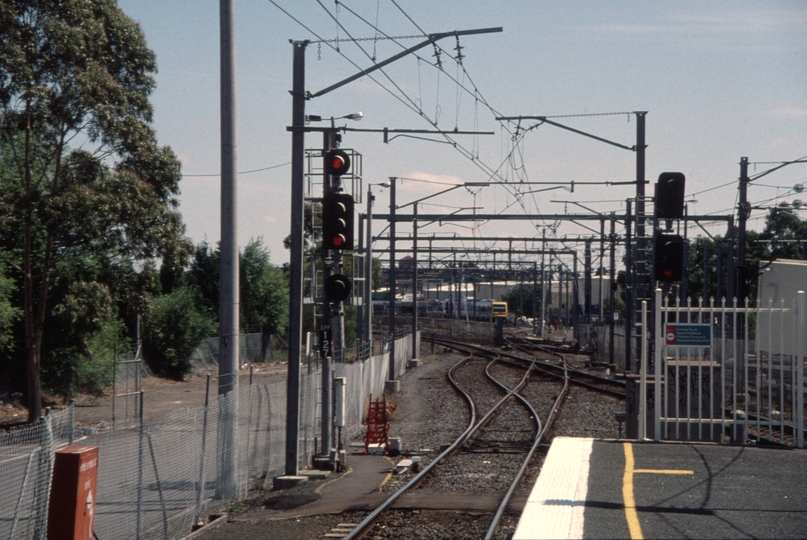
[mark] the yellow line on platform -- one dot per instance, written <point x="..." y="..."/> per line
<point x="663" y="471"/>
<point x="627" y="495"/>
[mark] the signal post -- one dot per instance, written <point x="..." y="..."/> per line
<point x="668" y="268"/>
<point x="337" y="235"/>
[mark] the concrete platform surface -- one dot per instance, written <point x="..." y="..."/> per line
<point x="625" y="489"/>
<point x="357" y="488"/>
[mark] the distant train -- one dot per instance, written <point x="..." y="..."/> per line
<point x="480" y="310"/>
<point x="477" y="310"/>
<point x="426" y="308"/>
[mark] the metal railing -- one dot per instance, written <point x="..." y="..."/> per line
<point x="727" y="373"/>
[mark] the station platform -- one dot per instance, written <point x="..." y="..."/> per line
<point x="628" y="489"/>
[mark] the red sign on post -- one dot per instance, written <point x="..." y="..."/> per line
<point x="71" y="515"/>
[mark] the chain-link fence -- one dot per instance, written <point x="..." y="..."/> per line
<point x="156" y="480"/>
<point x="26" y="465"/>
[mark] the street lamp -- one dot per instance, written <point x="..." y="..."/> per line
<point x="318" y="118"/>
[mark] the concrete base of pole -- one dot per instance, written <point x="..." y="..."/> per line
<point x="316" y="475"/>
<point x="392" y="386"/>
<point x="286" y="482"/>
<point x="322" y="463"/>
<point x="414" y="362"/>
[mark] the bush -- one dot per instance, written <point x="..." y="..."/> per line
<point x="174" y="326"/>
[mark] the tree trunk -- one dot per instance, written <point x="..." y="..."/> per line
<point x="33" y="340"/>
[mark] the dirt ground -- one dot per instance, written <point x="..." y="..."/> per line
<point x="161" y="396"/>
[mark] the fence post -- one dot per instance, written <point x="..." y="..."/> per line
<point x="659" y="358"/>
<point x="249" y="429"/>
<point x="800" y="372"/>
<point x="45" y="472"/>
<point x="643" y="377"/>
<point x="140" y="472"/>
<point x="21" y="496"/>
<point x="114" y="379"/>
<point x="159" y="485"/>
<point x="73" y="420"/>
<point x="201" y="486"/>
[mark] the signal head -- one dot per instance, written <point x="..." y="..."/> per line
<point x="337" y="162"/>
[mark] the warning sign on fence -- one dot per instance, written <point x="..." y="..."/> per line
<point x="688" y="335"/>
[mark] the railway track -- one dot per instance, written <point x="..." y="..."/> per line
<point x="560" y="370"/>
<point x="482" y="433"/>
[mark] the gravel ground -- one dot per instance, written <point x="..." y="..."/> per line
<point x="428" y="417"/>
<point x="423" y="525"/>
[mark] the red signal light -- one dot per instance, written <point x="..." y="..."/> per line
<point x="336" y="162"/>
<point x="338" y="240"/>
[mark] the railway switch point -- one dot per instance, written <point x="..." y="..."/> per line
<point x="403" y="466"/>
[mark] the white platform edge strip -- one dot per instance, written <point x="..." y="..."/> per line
<point x="557" y="502"/>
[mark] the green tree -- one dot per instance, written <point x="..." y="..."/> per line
<point x="77" y="71"/>
<point x="174" y="326"/>
<point x="522" y="292"/>
<point x="378" y="276"/>
<point x="781" y="235"/>
<point x="264" y="294"/>
<point x="8" y="312"/>
<point x="204" y="275"/>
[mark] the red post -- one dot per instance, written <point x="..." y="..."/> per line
<point x="71" y="515"/>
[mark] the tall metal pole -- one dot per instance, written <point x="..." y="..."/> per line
<point x="368" y="274"/>
<point x="560" y="290"/>
<point x="392" y="207"/>
<point x="731" y="290"/>
<point x="228" y="289"/>
<point x="642" y="281"/>
<point x="415" y="283"/>
<point x="296" y="260"/>
<point x="359" y="272"/>
<point x="611" y="294"/>
<point x="630" y="292"/>
<point x="534" y="298"/>
<point x="543" y="288"/>
<point x="602" y="262"/>
<point x="575" y="302"/>
<point x="743" y="213"/>
<point x="705" y="293"/>
<point x="587" y="281"/>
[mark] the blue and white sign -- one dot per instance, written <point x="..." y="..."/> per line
<point x="688" y="335"/>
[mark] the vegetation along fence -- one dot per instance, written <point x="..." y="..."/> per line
<point x="155" y="480"/>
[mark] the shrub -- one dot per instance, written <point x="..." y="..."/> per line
<point x="174" y="326"/>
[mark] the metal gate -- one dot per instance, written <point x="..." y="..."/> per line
<point x="727" y="373"/>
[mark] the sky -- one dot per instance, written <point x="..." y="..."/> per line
<point x="719" y="80"/>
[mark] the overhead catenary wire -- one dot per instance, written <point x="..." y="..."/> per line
<point x="241" y="172"/>
<point x="515" y="158"/>
<point x="413" y="105"/>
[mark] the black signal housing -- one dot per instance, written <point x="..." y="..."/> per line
<point x="669" y="258"/>
<point x="337" y="222"/>
<point x="336" y="162"/>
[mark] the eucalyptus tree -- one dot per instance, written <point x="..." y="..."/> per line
<point x="84" y="175"/>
